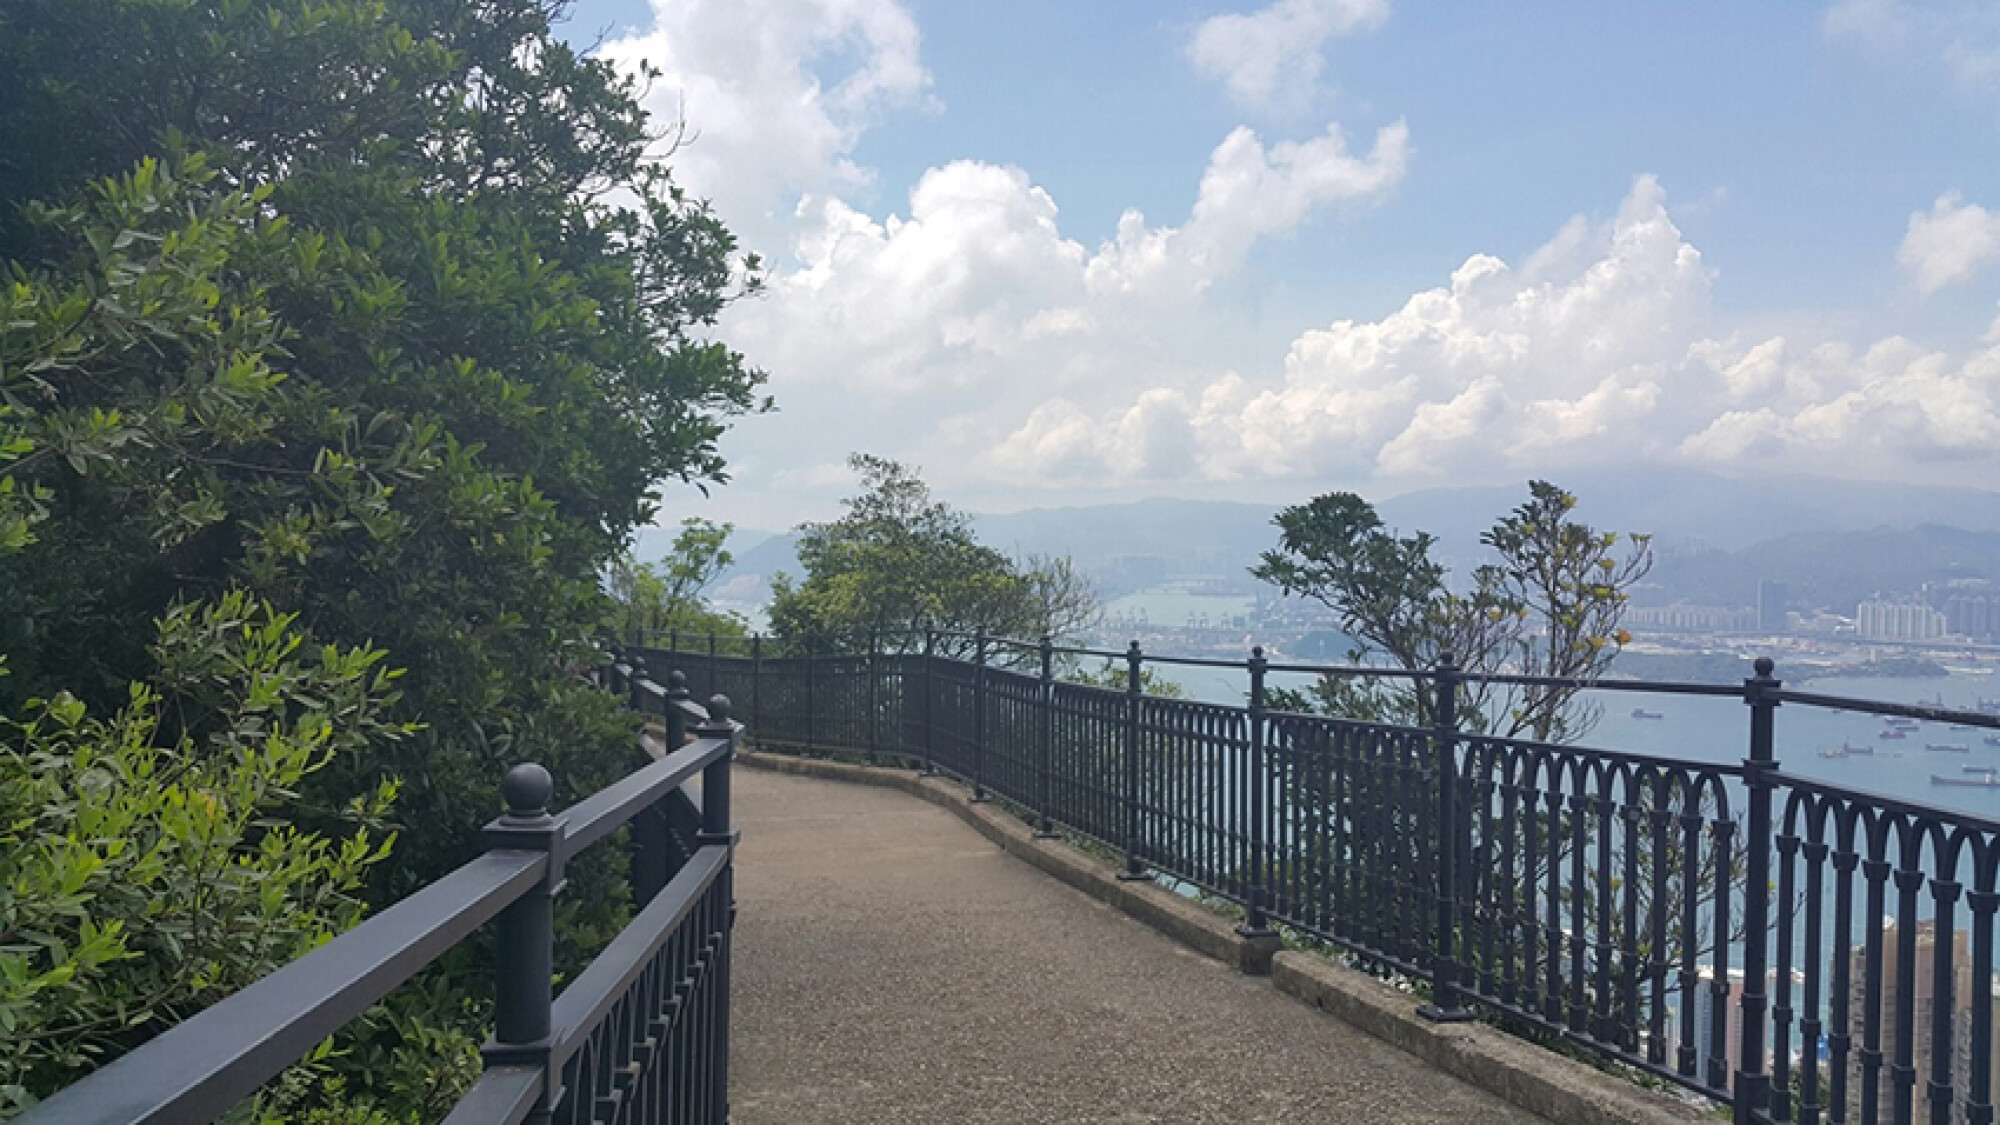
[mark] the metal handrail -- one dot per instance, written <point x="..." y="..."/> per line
<point x="205" y="1065"/>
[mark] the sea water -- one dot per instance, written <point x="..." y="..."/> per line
<point x="1707" y="729"/>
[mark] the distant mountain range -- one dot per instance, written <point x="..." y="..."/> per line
<point x="1835" y="541"/>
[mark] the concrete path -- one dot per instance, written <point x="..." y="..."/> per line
<point x="894" y="966"/>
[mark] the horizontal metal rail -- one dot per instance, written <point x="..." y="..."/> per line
<point x="201" y="1068"/>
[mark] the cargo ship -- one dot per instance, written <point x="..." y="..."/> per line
<point x="1987" y="779"/>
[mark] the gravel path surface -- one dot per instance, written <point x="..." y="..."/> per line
<point x="893" y="966"/>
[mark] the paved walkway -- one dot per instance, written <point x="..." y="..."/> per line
<point x="893" y="966"/>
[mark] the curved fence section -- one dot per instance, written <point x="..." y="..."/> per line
<point x="1800" y="951"/>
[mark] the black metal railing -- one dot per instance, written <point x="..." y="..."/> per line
<point x="1799" y="950"/>
<point x="640" y="1036"/>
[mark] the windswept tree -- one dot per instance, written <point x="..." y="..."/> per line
<point x="1549" y="604"/>
<point x="900" y="562"/>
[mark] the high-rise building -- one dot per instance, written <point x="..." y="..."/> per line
<point x="1881" y="619"/>
<point x="1923" y="984"/>
<point x="1773" y="597"/>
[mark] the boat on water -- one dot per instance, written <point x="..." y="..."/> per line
<point x="1993" y="740"/>
<point x="1978" y="769"/>
<point x="1900" y="722"/>
<point x="1642" y="713"/>
<point x="1989" y="780"/>
<point x="1844" y="750"/>
<point x="1948" y="747"/>
<point x="1892" y="732"/>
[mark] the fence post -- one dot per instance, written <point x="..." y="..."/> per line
<point x="930" y="731"/>
<point x="810" y="724"/>
<point x="523" y="991"/>
<point x="677" y="694"/>
<point x="874" y="641"/>
<point x="711" y="662"/>
<point x="1134" y="870"/>
<point x="1752" y="1085"/>
<point x="1045" y="741"/>
<point x="1257" y="895"/>
<point x="652" y="843"/>
<point x="718" y="829"/>
<point x="1446" y="1006"/>
<point x="979" y="716"/>
<point x="756" y="681"/>
<point x="637" y="664"/>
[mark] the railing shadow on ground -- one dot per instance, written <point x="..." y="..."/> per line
<point x="640" y="1036"/>
<point x="1790" y="947"/>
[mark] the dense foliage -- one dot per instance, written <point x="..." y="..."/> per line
<point x="377" y="312"/>
<point x="1548" y="605"/>
<point x="139" y="877"/>
<point x="899" y="563"/>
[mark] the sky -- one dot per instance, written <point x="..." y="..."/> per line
<point x="1054" y="252"/>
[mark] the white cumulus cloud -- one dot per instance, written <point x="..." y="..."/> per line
<point x="1949" y="243"/>
<point x="1964" y="35"/>
<point x="1275" y="54"/>
<point x="977" y="281"/>
<point x="775" y="93"/>
<point x="1602" y="346"/>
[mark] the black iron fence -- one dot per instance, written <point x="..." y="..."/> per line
<point x="1802" y="951"/>
<point x="640" y="1036"/>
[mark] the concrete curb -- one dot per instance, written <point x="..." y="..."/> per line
<point x="1562" y="1090"/>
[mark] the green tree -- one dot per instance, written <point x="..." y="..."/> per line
<point x="146" y="865"/>
<point x="379" y="312"/>
<point x="899" y="562"/>
<point x="376" y="308"/>
<point x="667" y="595"/>
<point x="1548" y="606"/>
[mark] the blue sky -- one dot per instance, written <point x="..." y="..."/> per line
<point x="1366" y="244"/>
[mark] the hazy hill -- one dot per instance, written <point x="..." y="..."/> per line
<point x="1836" y="541"/>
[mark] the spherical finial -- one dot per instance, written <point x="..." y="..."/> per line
<point x="677" y="684"/>
<point x="1133" y="648"/>
<point x="527" y="789"/>
<point x="1445" y="658"/>
<point x="1764" y="665"/>
<point x="718" y="708"/>
<point x="1256" y="652"/>
<point x="638" y="666"/>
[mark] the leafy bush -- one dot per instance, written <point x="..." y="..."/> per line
<point x="146" y="865"/>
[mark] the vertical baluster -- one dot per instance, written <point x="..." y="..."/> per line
<point x="1983" y="902"/>
<point x="1661" y="817"/>
<point x="979" y="716"/>
<point x="930" y="694"/>
<point x="1811" y="1027"/>
<point x="1909" y="880"/>
<point x="1944" y="899"/>
<point x="1602" y="945"/>
<point x="1446" y="1006"/>
<point x="1781" y="978"/>
<point x="1840" y="1033"/>
<point x="1688" y="1064"/>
